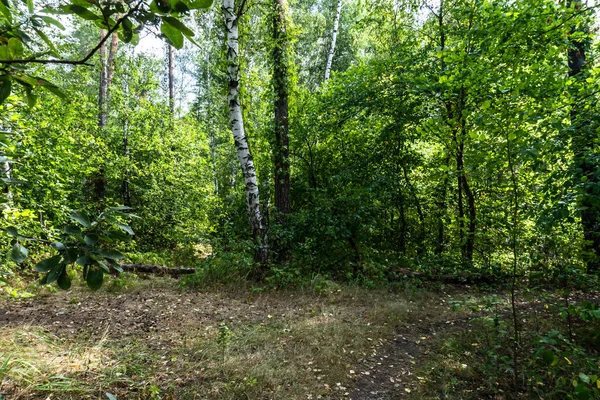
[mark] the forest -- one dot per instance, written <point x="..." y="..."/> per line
<point x="299" y="199"/>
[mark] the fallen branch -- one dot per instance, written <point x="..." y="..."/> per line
<point x="155" y="269"/>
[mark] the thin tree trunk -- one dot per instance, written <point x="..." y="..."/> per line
<point x="103" y="83"/>
<point x="107" y="69"/>
<point x="336" y="23"/>
<point x="441" y="206"/>
<point x="413" y="192"/>
<point x="281" y="150"/>
<point x="110" y="67"/>
<point x="171" y="78"/>
<point x="582" y="143"/>
<point x="239" y="135"/>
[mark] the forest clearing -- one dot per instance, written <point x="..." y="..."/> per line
<point x="151" y="339"/>
<point x="299" y="199"/>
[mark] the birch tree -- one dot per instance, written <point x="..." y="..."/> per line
<point x="334" y="33"/>
<point x="255" y="217"/>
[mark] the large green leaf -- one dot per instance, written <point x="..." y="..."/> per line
<point x="172" y="34"/>
<point x="94" y="279"/>
<point x="64" y="282"/>
<point x="177" y="24"/>
<point x="83" y="12"/>
<point x="91" y="239"/>
<point x="111" y="254"/>
<point x="5" y="87"/>
<point x="52" y="21"/>
<point x="16" y="47"/>
<point x="85" y="260"/>
<point x="81" y="217"/>
<point x="18" y="253"/>
<point x="48" y="264"/>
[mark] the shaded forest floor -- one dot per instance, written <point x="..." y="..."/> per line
<point x="151" y="339"/>
<point x="157" y="340"/>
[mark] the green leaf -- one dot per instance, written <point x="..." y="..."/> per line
<point x="177" y="24"/>
<point x="127" y="30"/>
<point x="58" y="246"/>
<point x="52" y="21"/>
<point x="126" y="228"/>
<point x="104" y="266"/>
<point x="30" y="6"/>
<point x="11" y="230"/>
<point x="48" y="264"/>
<point x="111" y="254"/>
<point x="6" y="11"/>
<point x="111" y="396"/>
<point x="172" y="34"/>
<point x="83" y="12"/>
<point x="94" y="279"/>
<point x="91" y="239"/>
<point x="64" y="282"/>
<point x="584" y="378"/>
<point x="30" y="97"/>
<point x="197" y="4"/>
<point x="54" y="274"/>
<point x="84" y="260"/>
<point x="16" y="47"/>
<point x="18" y="253"/>
<point x="160" y="6"/>
<point x="549" y="358"/>
<point x="73" y="230"/>
<point x="81" y="217"/>
<point x="48" y="42"/>
<point x="52" y="88"/>
<point x="5" y="87"/>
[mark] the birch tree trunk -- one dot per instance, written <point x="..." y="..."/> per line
<point x="281" y="150"/>
<point x="336" y="24"/>
<point x="239" y="135"/>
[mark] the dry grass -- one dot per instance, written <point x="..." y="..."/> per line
<point x="191" y="345"/>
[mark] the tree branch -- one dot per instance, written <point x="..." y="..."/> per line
<point x="83" y="61"/>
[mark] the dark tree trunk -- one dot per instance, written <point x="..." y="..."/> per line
<point x="281" y="148"/>
<point x="582" y="143"/>
<point x="413" y="191"/>
<point x="441" y="217"/>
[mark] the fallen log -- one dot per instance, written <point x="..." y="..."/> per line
<point x="397" y="273"/>
<point x="155" y="269"/>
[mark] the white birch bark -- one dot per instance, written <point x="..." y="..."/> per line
<point x="237" y="122"/>
<point x="336" y="24"/>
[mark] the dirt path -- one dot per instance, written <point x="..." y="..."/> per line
<point x="390" y="370"/>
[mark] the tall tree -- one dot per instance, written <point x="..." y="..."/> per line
<point x="255" y="217"/>
<point x="107" y="61"/>
<point x="582" y="142"/>
<point x="334" y="33"/>
<point x="281" y="151"/>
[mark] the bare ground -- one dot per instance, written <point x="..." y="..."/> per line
<point x="165" y="342"/>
